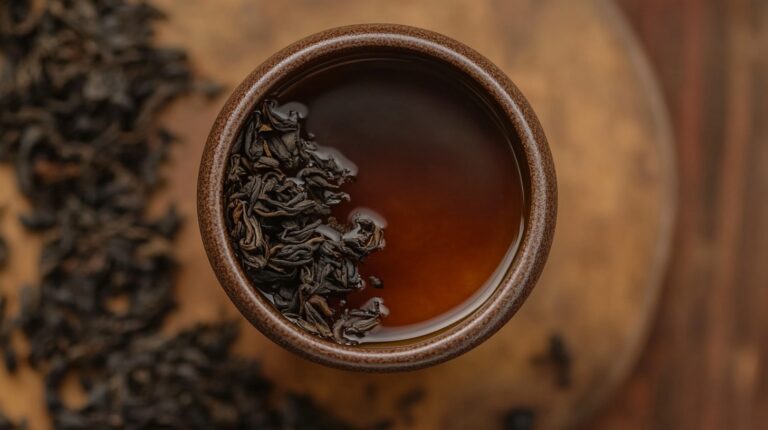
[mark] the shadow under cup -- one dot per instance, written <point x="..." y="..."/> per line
<point x="447" y="152"/>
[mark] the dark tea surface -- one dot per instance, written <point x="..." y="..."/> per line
<point x="433" y="161"/>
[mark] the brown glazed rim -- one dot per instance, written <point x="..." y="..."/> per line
<point x="540" y="192"/>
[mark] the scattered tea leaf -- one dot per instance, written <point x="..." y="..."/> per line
<point x="559" y="357"/>
<point x="3" y="251"/>
<point x="9" y="357"/>
<point x="7" y="424"/>
<point x="519" y="419"/>
<point x="408" y="401"/>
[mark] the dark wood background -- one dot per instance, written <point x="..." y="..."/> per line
<point x="704" y="367"/>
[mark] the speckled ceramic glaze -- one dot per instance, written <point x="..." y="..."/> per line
<point x="536" y="165"/>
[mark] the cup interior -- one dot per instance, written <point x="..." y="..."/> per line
<point x="504" y="103"/>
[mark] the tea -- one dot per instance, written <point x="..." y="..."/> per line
<point x="435" y="161"/>
<point x="403" y="144"/>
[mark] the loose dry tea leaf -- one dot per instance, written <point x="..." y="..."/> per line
<point x="280" y="189"/>
<point x="190" y="382"/>
<point x="3" y="251"/>
<point x="559" y="357"/>
<point x="7" y="424"/>
<point x="518" y="419"/>
<point x="9" y="357"/>
<point x="407" y="402"/>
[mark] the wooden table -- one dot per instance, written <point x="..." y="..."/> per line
<point x="705" y="367"/>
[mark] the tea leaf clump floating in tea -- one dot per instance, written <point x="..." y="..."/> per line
<point x="81" y="88"/>
<point x="280" y="189"/>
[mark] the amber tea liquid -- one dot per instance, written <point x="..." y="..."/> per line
<point x="437" y="164"/>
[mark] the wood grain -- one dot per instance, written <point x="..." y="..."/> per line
<point x="705" y="367"/>
<point x="578" y="65"/>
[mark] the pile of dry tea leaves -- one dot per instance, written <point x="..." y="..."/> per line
<point x="279" y="190"/>
<point x="81" y="86"/>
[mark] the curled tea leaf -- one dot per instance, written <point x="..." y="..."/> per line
<point x="354" y="324"/>
<point x="280" y="190"/>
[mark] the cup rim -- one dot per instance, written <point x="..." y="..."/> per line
<point x="521" y="274"/>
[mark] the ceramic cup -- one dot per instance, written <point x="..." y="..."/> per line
<point x="536" y="166"/>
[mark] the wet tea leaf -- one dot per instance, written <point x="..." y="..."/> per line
<point x="280" y="191"/>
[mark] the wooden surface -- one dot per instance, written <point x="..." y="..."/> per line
<point x="608" y="141"/>
<point x="705" y="367"/>
<point x="587" y="80"/>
